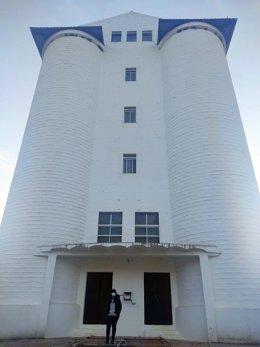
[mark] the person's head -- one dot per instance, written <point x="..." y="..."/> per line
<point x="113" y="293"/>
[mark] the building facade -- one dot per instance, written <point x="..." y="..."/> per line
<point x="134" y="173"/>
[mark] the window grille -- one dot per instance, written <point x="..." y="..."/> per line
<point x="129" y="163"/>
<point x="131" y="36"/>
<point x="147" y="227"/>
<point x="110" y="227"/>
<point x="130" y="74"/>
<point x="130" y="114"/>
<point x="116" y="36"/>
<point x="147" y="35"/>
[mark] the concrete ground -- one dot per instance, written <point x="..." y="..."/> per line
<point x="98" y="342"/>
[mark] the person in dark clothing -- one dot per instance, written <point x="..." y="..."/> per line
<point x="113" y="309"/>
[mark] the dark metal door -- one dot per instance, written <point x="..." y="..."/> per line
<point x="157" y="299"/>
<point x="98" y="289"/>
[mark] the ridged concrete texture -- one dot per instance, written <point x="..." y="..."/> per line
<point x="48" y="199"/>
<point x="214" y="195"/>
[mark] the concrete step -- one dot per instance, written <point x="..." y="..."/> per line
<point x="159" y="342"/>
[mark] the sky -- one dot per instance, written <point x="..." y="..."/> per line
<point x="20" y="60"/>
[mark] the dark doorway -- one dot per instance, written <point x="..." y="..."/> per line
<point x="98" y="289"/>
<point x="157" y="299"/>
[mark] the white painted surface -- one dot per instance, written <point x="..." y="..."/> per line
<point x="190" y="310"/>
<point x="48" y="198"/>
<point x="214" y="195"/>
<point x="24" y="317"/>
<point x="148" y="189"/>
<point x="46" y="295"/>
<point x="193" y="167"/>
<point x="128" y="275"/>
<point x="208" y="297"/>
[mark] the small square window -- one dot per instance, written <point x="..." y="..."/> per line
<point x="116" y="36"/>
<point x="130" y="74"/>
<point x="129" y="163"/>
<point x="131" y="36"/>
<point x="130" y="114"/>
<point x="147" y="35"/>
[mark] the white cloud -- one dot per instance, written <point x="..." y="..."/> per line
<point x="4" y="156"/>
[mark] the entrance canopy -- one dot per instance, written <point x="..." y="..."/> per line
<point x="128" y="249"/>
<point x="101" y="258"/>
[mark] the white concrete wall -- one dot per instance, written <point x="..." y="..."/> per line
<point x="148" y="189"/>
<point x="214" y="196"/>
<point x="190" y="310"/>
<point x="193" y="167"/>
<point x="48" y="198"/>
<point x="64" y="310"/>
<point x="128" y="275"/>
<point x="110" y="189"/>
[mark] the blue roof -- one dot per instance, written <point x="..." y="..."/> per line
<point x="41" y="35"/>
<point x="225" y="25"/>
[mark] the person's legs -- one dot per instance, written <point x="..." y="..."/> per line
<point x="114" y="322"/>
<point x="109" y="322"/>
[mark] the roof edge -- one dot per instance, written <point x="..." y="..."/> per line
<point x="225" y="25"/>
<point x="42" y="34"/>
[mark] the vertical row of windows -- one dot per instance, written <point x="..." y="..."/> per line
<point x="146" y="223"/>
<point x="131" y="36"/>
<point x="129" y="160"/>
<point x="146" y="227"/>
<point x="130" y="112"/>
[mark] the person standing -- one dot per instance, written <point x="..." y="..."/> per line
<point x="113" y="309"/>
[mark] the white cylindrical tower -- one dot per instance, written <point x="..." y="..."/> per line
<point x="48" y="197"/>
<point x="214" y="195"/>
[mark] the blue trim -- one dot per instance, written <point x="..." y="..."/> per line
<point x="225" y="25"/>
<point x="41" y="35"/>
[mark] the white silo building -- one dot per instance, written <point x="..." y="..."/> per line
<point x="134" y="173"/>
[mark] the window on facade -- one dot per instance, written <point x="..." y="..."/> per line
<point x="129" y="163"/>
<point x="147" y="35"/>
<point x="110" y="227"/>
<point x="147" y="227"/>
<point x="116" y="36"/>
<point x="131" y="36"/>
<point x="130" y="74"/>
<point x="130" y="114"/>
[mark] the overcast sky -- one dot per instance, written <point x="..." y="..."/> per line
<point x="20" y="61"/>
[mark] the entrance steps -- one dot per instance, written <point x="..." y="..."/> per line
<point x="123" y="342"/>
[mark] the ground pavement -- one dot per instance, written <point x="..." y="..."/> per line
<point x="120" y="342"/>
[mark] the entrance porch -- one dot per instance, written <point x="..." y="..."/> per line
<point x="169" y="287"/>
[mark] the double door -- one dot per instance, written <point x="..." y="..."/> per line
<point x="157" y="298"/>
